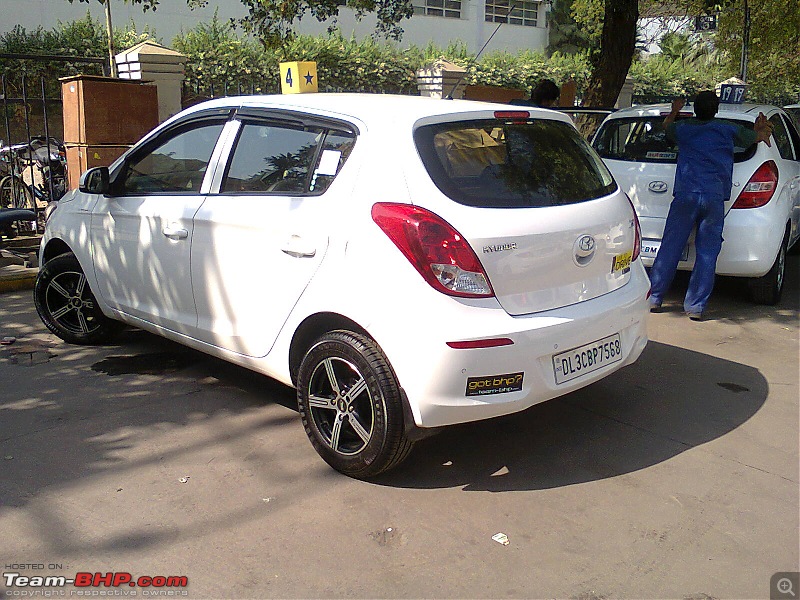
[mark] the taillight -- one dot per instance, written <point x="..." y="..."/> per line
<point x="637" y="238"/>
<point x="438" y="252"/>
<point x="761" y="187"/>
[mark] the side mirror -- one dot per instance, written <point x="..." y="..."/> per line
<point x="94" y="181"/>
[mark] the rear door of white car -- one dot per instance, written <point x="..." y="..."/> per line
<point x="262" y="232"/>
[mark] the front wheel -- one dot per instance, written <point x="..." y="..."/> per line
<point x="350" y="405"/>
<point x="67" y="306"/>
<point x="768" y="289"/>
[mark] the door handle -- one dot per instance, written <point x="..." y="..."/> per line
<point x="175" y="233"/>
<point x="295" y="247"/>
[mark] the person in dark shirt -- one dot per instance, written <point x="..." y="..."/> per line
<point x="545" y="94"/>
<point x="702" y="184"/>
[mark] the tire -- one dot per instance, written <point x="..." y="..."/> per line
<point x="359" y="435"/>
<point x="15" y="194"/>
<point x="768" y="289"/>
<point x="67" y="306"/>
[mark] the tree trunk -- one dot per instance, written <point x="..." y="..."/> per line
<point x="617" y="46"/>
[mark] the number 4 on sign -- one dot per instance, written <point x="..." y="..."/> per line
<point x="298" y="77"/>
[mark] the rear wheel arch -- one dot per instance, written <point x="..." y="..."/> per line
<point x="311" y="329"/>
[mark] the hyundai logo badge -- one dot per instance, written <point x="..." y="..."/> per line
<point x="658" y="187"/>
<point x="584" y="250"/>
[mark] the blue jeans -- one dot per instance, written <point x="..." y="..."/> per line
<point x="684" y="213"/>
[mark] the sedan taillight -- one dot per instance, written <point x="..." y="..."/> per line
<point x="438" y="252"/>
<point x="761" y="187"/>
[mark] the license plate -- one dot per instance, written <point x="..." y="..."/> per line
<point x="585" y="359"/>
<point x="650" y="249"/>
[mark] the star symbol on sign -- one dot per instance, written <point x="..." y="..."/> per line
<point x="309" y="78"/>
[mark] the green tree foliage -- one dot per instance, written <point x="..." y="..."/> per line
<point x="773" y="71"/>
<point x="81" y="38"/>
<point x="566" y="35"/>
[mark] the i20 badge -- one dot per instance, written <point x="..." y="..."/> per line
<point x="658" y="187"/>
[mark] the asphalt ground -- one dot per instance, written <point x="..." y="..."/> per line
<point x="676" y="477"/>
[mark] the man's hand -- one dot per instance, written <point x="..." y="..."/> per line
<point x="677" y="105"/>
<point x="763" y="129"/>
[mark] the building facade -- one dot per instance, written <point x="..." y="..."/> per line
<point x="471" y="22"/>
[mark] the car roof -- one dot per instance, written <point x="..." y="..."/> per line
<point x="372" y="108"/>
<point x="745" y="111"/>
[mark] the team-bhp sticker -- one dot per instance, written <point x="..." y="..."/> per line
<point x="494" y="384"/>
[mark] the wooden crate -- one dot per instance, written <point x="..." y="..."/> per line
<point x="107" y="111"/>
<point x="81" y="157"/>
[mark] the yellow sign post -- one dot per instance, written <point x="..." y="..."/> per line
<point x="298" y="77"/>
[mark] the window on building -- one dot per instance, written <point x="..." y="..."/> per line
<point x="439" y="8"/>
<point x="525" y="12"/>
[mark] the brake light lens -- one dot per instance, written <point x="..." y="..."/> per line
<point x="435" y="249"/>
<point x="514" y="115"/>
<point x="761" y="187"/>
<point x="637" y="238"/>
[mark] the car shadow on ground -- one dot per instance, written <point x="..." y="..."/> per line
<point x="672" y="400"/>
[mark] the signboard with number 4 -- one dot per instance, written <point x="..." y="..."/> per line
<point x="298" y="77"/>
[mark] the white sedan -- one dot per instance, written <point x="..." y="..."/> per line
<point x="404" y="262"/>
<point x="761" y="215"/>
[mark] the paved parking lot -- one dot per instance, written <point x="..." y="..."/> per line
<point x="674" y="478"/>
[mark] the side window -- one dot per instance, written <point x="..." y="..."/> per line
<point x="335" y="150"/>
<point x="272" y="158"/>
<point x="793" y="135"/>
<point x="175" y="165"/>
<point x="781" y="137"/>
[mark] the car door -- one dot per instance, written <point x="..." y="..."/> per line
<point x="141" y="233"/>
<point x="262" y="232"/>
<point x="787" y="144"/>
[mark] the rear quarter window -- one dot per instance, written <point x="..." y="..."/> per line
<point x="644" y="139"/>
<point x="496" y="164"/>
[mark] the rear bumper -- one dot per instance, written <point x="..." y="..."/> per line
<point x="750" y="243"/>
<point x="436" y="380"/>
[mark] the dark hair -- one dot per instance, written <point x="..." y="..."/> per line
<point x="706" y="105"/>
<point x="545" y="92"/>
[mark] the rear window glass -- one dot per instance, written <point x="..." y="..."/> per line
<point x="490" y="163"/>
<point x="644" y="139"/>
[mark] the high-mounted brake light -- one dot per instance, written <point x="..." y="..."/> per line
<point x="514" y="115"/>
<point x="761" y="187"/>
<point x="438" y="252"/>
<point x="637" y="238"/>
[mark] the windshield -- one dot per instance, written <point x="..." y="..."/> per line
<point x="644" y="139"/>
<point x="498" y="164"/>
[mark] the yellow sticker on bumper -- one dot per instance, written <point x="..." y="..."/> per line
<point x="622" y="262"/>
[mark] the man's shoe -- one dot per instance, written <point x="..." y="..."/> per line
<point x="695" y="316"/>
<point x="655" y="307"/>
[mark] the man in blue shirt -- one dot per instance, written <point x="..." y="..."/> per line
<point x="702" y="184"/>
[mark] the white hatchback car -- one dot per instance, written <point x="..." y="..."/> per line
<point x="404" y="262"/>
<point x="761" y="216"/>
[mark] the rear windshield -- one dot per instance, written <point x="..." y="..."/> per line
<point x="489" y="163"/>
<point x="644" y="139"/>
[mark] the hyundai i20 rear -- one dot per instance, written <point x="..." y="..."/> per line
<point x="405" y="263"/>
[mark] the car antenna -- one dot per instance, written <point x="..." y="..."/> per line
<point x="474" y="60"/>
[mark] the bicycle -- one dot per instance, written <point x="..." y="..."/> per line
<point x="32" y="175"/>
